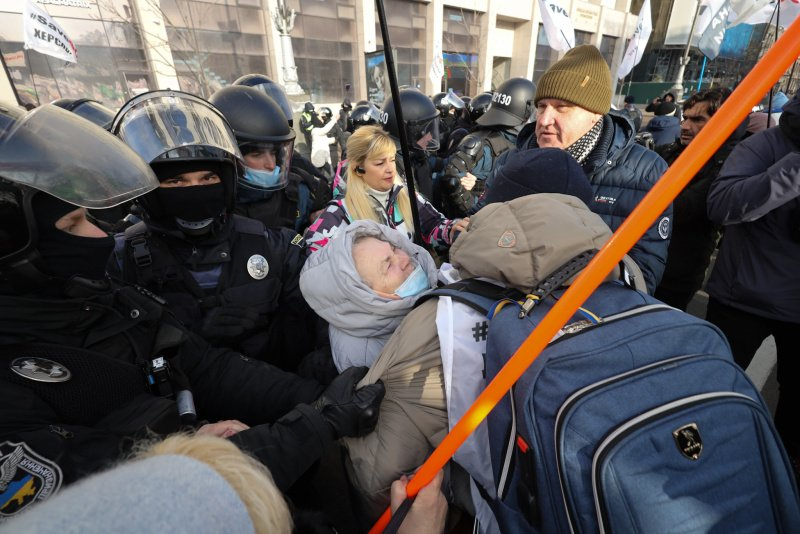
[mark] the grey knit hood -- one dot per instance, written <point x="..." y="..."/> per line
<point x="360" y="322"/>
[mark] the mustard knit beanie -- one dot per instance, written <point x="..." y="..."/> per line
<point x="582" y="77"/>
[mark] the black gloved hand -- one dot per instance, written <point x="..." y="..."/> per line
<point x="351" y="411"/>
<point x="227" y="322"/>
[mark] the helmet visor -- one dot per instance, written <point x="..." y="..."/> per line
<point x="452" y="99"/>
<point x="369" y="114"/>
<point x="267" y="165"/>
<point x="155" y="123"/>
<point x="424" y="134"/>
<point x="58" y="152"/>
<point x="277" y="94"/>
<point x="95" y="112"/>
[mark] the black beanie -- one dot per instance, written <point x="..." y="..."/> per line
<point x="539" y="170"/>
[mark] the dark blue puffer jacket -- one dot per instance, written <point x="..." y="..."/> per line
<point x="665" y="129"/>
<point x="621" y="172"/>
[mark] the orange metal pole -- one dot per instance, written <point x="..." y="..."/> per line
<point x="766" y="73"/>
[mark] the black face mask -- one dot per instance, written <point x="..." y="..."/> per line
<point x="66" y="255"/>
<point x="194" y="203"/>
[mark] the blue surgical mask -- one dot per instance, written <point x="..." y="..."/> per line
<point x="416" y="283"/>
<point x="263" y="179"/>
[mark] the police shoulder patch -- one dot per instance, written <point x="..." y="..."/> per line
<point x="25" y="478"/>
<point x="298" y="240"/>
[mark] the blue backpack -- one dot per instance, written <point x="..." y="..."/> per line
<point x="635" y="419"/>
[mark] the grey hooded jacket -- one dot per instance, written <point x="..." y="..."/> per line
<point x="360" y="322"/>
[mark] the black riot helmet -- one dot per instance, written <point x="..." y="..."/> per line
<point x="179" y="133"/>
<point x="512" y="103"/>
<point x="364" y="115"/>
<point x="89" y="109"/>
<point x="259" y="126"/>
<point x="271" y="89"/>
<point x="54" y="152"/>
<point x="421" y="120"/>
<point x="478" y="105"/>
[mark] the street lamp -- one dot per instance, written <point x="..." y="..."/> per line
<point x="677" y="89"/>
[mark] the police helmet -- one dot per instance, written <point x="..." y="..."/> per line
<point x="363" y="115"/>
<point x="512" y="103"/>
<point x="325" y="114"/>
<point x="478" y="105"/>
<point x="176" y="133"/>
<point x="308" y="107"/>
<point x="41" y="151"/>
<point x="420" y="116"/>
<point x="271" y="89"/>
<point x="89" y="109"/>
<point x="258" y="124"/>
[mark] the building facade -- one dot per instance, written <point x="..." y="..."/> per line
<point x="130" y="46"/>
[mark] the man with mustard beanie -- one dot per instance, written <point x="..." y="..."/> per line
<point x="573" y="100"/>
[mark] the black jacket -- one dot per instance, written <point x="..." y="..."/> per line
<point x="198" y="279"/>
<point x="756" y="198"/>
<point x="103" y="335"/>
<point x="694" y="236"/>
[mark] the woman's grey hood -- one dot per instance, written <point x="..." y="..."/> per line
<point x="360" y="321"/>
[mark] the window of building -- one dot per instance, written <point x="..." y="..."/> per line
<point x="460" y="43"/>
<point x="545" y="56"/>
<point x="323" y="43"/>
<point x="111" y="65"/>
<point x="608" y="47"/>
<point x="213" y="43"/>
<point x="407" y="23"/>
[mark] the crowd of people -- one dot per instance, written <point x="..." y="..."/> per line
<point x="180" y="270"/>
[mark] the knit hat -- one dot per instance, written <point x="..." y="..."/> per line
<point x="666" y="108"/>
<point x="539" y="170"/>
<point x="582" y="77"/>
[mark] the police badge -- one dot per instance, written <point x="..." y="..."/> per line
<point x="25" y="478"/>
<point x="257" y="266"/>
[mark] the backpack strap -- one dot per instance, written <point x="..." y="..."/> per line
<point x="556" y="280"/>
<point x="480" y="295"/>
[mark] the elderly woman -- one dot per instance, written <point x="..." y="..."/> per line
<point x="376" y="192"/>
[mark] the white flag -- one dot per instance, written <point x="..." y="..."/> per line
<point x="633" y="55"/>
<point x="789" y="11"/>
<point x="437" y="65"/>
<point x="557" y="25"/>
<point x="713" y="32"/>
<point x="741" y="10"/>
<point x="45" y="35"/>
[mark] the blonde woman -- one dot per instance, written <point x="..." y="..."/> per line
<point x="376" y="192"/>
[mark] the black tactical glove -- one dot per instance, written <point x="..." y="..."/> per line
<point x="350" y="411"/>
<point x="228" y="322"/>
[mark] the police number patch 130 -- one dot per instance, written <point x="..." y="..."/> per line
<point x="25" y="478"/>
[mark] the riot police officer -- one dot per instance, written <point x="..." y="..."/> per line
<point x="266" y="190"/>
<point x="224" y="276"/>
<point x="89" y="366"/>
<point x="302" y="170"/>
<point x="422" y="131"/>
<point x="472" y="162"/>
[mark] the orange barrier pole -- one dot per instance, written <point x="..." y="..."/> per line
<point x="768" y="70"/>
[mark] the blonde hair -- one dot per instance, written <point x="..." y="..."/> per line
<point x="248" y="477"/>
<point x="370" y="142"/>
